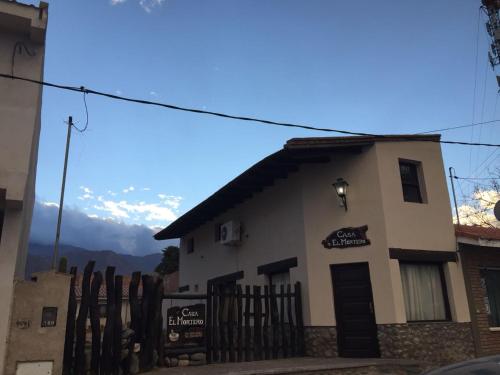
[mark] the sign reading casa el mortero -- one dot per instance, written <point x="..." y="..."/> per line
<point x="186" y="326"/>
<point x="347" y="237"/>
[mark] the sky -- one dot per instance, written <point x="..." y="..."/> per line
<point x="364" y="66"/>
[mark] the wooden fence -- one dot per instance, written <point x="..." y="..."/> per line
<point x="254" y="324"/>
<point x="259" y="323"/>
<point x="111" y="353"/>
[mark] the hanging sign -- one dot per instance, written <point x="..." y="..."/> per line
<point x="347" y="237"/>
<point x="186" y="326"/>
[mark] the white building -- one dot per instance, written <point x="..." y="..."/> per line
<point x="395" y="289"/>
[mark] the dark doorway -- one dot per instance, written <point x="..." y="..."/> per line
<point x="356" y="327"/>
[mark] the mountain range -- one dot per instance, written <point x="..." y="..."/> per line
<point x="40" y="259"/>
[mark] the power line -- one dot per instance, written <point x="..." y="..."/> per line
<point x="86" y="116"/>
<point x="85" y="90"/>
<point x="460" y="126"/>
<point x="476" y="178"/>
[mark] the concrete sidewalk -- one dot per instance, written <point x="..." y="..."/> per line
<point x="303" y="366"/>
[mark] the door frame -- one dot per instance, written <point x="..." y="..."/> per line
<point x="336" y="307"/>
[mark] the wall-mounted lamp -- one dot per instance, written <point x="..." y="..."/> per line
<point x="341" y="189"/>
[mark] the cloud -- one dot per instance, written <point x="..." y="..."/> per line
<point x="50" y="204"/>
<point x="146" y="189"/>
<point x="171" y="201"/>
<point x="115" y="2"/>
<point x="149" y="5"/>
<point x="149" y="211"/>
<point x="78" y="229"/>
<point x="126" y="190"/>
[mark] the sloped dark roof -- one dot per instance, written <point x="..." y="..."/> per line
<point x="295" y="152"/>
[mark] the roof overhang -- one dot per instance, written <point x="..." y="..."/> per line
<point x="279" y="165"/>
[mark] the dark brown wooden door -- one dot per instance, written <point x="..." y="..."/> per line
<point x="356" y="327"/>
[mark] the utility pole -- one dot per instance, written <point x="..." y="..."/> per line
<point x="454" y="195"/>
<point x="61" y="200"/>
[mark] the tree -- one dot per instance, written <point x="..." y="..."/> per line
<point x="63" y="264"/>
<point x="478" y="209"/>
<point x="170" y="261"/>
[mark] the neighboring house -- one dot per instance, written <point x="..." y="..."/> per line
<point x="480" y="253"/>
<point x="22" y="51"/>
<point x="396" y="288"/>
<point x="103" y="297"/>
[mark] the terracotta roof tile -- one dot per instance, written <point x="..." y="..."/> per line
<point x="170" y="284"/>
<point x="477" y="232"/>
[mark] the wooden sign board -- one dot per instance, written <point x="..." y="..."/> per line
<point x="186" y="326"/>
<point x="347" y="237"/>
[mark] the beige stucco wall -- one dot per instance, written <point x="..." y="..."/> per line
<point x="28" y="341"/>
<point x="295" y="215"/>
<point x="272" y="230"/>
<point x="20" y="107"/>
<point x="375" y="198"/>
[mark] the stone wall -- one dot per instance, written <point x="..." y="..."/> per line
<point x="321" y="341"/>
<point x="436" y="342"/>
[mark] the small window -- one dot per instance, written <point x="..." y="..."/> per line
<point x="491" y="279"/>
<point x="410" y="181"/>
<point x="278" y="279"/>
<point x="424" y="291"/>
<point x="190" y="245"/>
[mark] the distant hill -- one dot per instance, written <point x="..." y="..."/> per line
<point x="40" y="259"/>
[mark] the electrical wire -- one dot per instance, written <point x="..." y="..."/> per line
<point x="461" y="126"/>
<point x="476" y="63"/>
<point x="476" y="178"/>
<point x="86" y="115"/>
<point x="224" y="115"/>
<point x="19" y="46"/>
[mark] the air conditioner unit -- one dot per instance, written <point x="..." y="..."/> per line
<point x="230" y="233"/>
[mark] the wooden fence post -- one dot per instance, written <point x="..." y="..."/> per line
<point x="290" y="320"/>
<point x="222" y="330"/>
<point x="147" y="347"/>
<point x="81" y="321"/>
<point x="248" y="332"/>
<point x="230" y="323"/>
<point x="107" y="341"/>
<point x="257" y="320"/>
<point x="157" y="331"/>
<point x="282" y="322"/>
<point x="298" y="317"/>
<point x="117" y="327"/>
<point x="265" y="334"/>
<point x="239" y="341"/>
<point x="215" y="325"/>
<point x="69" y="340"/>
<point x="95" y="322"/>
<point x="274" y="322"/>
<point x="208" y="323"/>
